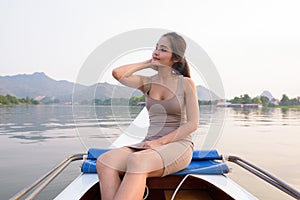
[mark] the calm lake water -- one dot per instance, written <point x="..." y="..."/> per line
<point x="33" y="139"/>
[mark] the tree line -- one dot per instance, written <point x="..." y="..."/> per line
<point x="264" y="101"/>
<point x="285" y="101"/>
<point x="133" y="101"/>
<point x="12" y="100"/>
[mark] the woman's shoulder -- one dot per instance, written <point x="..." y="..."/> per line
<point x="188" y="82"/>
<point x="189" y="86"/>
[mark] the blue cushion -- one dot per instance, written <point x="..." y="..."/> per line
<point x="206" y="155"/>
<point x="89" y="166"/>
<point x="204" y="167"/>
<point x="203" y="162"/>
<point x="94" y="153"/>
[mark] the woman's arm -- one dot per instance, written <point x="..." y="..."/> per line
<point x="192" y="112"/>
<point x="125" y="74"/>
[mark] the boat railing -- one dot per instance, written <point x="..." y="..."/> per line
<point x="266" y="176"/>
<point x="35" y="188"/>
<point x="47" y="178"/>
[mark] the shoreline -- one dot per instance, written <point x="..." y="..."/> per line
<point x="62" y="104"/>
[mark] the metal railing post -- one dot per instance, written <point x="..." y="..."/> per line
<point x="266" y="176"/>
<point x="57" y="169"/>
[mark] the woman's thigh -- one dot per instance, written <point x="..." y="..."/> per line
<point x="145" y="161"/>
<point x="116" y="158"/>
<point x="125" y="159"/>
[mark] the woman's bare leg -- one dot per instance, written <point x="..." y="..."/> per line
<point x="109" y="167"/>
<point x="132" y="187"/>
<point x="109" y="181"/>
<point x="140" y="166"/>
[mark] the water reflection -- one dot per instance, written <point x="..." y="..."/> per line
<point x="266" y="116"/>
<point x="32" y="124"/>
<point x="42" y="123"/>
<point x="206" y="115"/>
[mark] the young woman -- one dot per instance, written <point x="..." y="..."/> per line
<point x="172" y="103"/>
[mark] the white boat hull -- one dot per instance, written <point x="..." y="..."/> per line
<point x="84" y="182"/>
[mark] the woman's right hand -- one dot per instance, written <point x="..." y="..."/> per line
<point x="154" y="64"/>
<point x="150" y="64"/>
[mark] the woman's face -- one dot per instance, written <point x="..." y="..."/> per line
<point x="163" y="52"/>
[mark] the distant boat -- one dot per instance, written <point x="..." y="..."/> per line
<point x="205" y="177"/>
<point x="235" y="105"/>
<point x="223" y="104"/>
<point x="141" y="104"/>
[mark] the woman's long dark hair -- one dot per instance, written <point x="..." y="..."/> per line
<point x="178" y="46"/>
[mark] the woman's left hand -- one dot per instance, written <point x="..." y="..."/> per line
<point x="150" y="144"/>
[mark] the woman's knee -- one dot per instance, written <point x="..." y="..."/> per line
<point x="134" y="162"/>
<point x="100" y="166"/>
<point x="115" y="159"/>
<point x="139" y="162"/>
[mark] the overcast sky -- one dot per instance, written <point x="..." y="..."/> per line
<point x="255" y="44"/>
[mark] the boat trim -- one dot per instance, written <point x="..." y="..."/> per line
<point x="266" y="176"/>
<point x="54" y="172"/>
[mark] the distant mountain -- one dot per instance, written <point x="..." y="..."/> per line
<point x="33" y="85"/>
<point x="267" y="94"/>
<point x="205" y="94"/>
<point x="39" y="85"/>
<point x="103" y="91"/>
